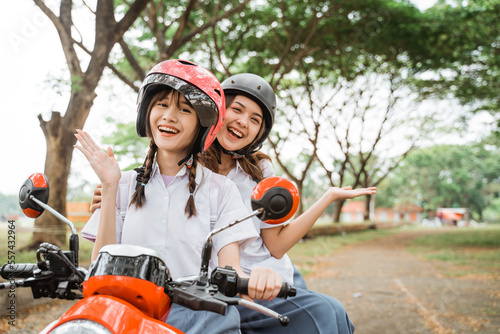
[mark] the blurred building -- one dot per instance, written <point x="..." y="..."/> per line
<point x="354" y="211"/>
<point x="78" y="211"/>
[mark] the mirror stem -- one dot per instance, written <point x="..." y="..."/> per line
<point x="55" y="213"/>
<point x="250" y="215"/>
<point x="207" y="248"/>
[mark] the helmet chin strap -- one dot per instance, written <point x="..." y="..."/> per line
<point x="233" y="154"/>
<point x="241" y="153"/>
<point x="188" y="160"/>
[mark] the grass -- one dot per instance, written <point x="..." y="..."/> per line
<point x="462" y="252"/>
<point x="23" y="237"/>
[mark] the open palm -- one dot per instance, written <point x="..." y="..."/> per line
<point x="349" y="193"/>
<point x="103" y="163"/>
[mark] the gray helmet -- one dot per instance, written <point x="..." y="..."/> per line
<point x="259" y="90"/>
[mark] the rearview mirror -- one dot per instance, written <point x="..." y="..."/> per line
<point x="278" y="197"/>
<point x="38" y="186"/>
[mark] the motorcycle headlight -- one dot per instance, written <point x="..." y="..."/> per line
<point x="80" y="326"/>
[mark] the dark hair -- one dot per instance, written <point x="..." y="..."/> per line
<point x="249" y="163"/>
<point x="139" y="196"/>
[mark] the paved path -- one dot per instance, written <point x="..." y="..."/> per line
<point x="385" y="289"/>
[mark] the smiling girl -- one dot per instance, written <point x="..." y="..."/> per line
<point x="181" y="108"/>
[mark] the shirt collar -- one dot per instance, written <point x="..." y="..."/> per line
<point x="236" y="170"/>
<point x="182" y="173"/>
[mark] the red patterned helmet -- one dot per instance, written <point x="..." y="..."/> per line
<point x="200" y="87"/>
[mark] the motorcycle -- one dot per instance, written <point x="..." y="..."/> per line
<point x="132" y="281"/>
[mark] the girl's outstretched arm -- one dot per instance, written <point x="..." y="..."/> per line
<point x="280" y="239"/>
<point x="105" y="166"/>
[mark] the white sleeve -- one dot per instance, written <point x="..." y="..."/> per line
<point x="232" y="208"/>
<point x="89" y="231"/>
<point x="123" y="196"/>
<point x="267" y="168"/>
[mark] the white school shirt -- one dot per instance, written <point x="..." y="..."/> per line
<point x="161" y="224"/>
<point x="256" y="254"/>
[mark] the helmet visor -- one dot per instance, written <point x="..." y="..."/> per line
<point x="205" y="107"/>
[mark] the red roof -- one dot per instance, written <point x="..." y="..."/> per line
<point x="359" y="207"/>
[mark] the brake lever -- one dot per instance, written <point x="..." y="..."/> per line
<point x="283" y="319"/>
<point x="197" y="297"/>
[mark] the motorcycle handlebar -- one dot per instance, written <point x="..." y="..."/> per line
<point x="19" y="270"/>
<point x="285" y="291"/>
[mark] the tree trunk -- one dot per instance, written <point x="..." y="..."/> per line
<point x="57" y="166"/>
<point x="300" y="208"/>
<point x="338" y="210"/>
<point x="366" y="215"/>
<point x="59" y="135"/>
<point x="59" y="131"/>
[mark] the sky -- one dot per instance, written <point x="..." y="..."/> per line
<point x="31" y="53"/>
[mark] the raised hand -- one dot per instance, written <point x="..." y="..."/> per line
<point x="103" y="163"/>
<point x="349" y="193"/>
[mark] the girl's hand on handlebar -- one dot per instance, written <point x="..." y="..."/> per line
<point x="103" y="163"/>
<point x="264" y="284"/>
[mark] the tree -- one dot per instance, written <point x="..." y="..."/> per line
<point x="129" y="150"/>
<point x="463" y="40"/>
<point x="177" y="23"/>
<point x="336" y="41"/>
<point x="447" y="176"/>
<point x="59" y="130"/>
<point x="169" y="30"/>
<point x="298" y="128"/>
<point x="316" y="41"/>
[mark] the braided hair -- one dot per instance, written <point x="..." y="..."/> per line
<point x="143" y="176"/>
<point x="190" y="209"/>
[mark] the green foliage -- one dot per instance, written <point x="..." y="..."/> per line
<point x="448" y="50"/>
<point x="9" y="205"/>
<point x="76" y="83"/>
<point x="463" y="51"/>
<point x="445" y="176"/>
<point x="492" y="211"/>
<point x="469" y="237"/>
<point x="129" y="149"/>
<point x="23" y="238"/>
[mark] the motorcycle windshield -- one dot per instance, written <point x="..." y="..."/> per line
<point x="145" y="267"/>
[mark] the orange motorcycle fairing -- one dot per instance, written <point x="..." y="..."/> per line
<point x="116" y="315"/>
<point x="148" y="297"/>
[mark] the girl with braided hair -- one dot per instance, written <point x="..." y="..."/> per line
<point x="181" y="108"/>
